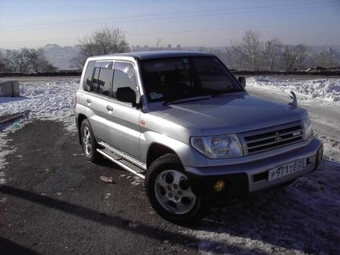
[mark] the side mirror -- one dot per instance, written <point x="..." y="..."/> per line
<point x="242" y="80"/>
<point x="126" y="94"/>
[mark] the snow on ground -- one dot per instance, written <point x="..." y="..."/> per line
<point x="43" y="100"/>
<point x="320" y="90"/>
<point x="303" y="218"/>
<point x="53" y="100"/>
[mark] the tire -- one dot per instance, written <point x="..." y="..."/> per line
<point x="88" y="142"/>
<point x="169" y="193"/>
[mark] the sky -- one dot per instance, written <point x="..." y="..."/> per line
<point x="209" y="23"/>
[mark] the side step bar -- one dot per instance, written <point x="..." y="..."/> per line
<point x="115" y="158"/>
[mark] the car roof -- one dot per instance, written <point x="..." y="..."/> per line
<point x="143" y="55"/>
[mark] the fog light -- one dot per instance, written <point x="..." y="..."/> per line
<point x="219" y="186"/>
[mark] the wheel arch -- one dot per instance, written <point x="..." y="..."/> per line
<point x="157" y="150"/>
<point x="81" y="118"/>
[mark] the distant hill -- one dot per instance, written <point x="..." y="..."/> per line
<point x="61" y="56"/>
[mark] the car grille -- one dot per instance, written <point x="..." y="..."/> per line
<point x="271" y="138"/>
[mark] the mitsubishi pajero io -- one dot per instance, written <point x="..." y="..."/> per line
<point x="185" y="124"/>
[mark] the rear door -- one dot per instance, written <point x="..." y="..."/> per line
<point x="99" y="89"/>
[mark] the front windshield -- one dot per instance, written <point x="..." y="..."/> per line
<point x="178" y="78"/>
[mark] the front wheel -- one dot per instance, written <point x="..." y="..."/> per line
<point x="169" y="191"/>
<point x="88" y="142"/>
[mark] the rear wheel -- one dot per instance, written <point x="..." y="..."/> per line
<point x="88" y="141"/>
<point x="169" y="191"/>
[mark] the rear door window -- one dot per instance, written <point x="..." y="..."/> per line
<point x="105" y="81"/>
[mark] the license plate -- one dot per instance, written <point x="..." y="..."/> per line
<point x="287" y="169"/>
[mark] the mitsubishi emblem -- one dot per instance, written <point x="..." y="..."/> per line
<point x="278" y="138"/>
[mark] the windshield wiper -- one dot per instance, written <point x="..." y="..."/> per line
<point x="224" y="91"/>
<point x="185" y="99"/>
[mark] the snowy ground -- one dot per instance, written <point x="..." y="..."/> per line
<point x="302" y="218"/>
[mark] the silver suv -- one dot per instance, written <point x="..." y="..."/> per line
<point x="185" y="124"/>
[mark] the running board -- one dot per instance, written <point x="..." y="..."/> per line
<point x="115" y="158"/>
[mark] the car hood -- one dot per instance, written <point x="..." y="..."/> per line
<point x="232" y="113"/>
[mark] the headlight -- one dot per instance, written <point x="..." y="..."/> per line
<point x="223" y="146"/>
<point x="307" y="127"/>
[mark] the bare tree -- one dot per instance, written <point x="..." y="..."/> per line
<point x="235" y="55"/>
<point x="17" y="61"/>
<point x="271" y="54"/>
<point x="102" y="42"/>
<point x="159" y="43"/>
<point x="294" y="56"/>
<point x="247" y="53"/>
<point x="252" y="47"/>
<point x="253" y="55"/>
<point x="27" y="61"/>
<point x="326" y="58"/>
<point x="3" y="63"/>
<point x="37" y="61"/>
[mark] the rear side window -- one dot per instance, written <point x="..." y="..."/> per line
<point x="87" y="83"/>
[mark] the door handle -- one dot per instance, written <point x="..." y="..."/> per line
<point x="88" y="101"/>
<point x="109" y="108"/>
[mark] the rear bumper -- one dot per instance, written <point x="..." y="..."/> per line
<point x="250" y="177"/>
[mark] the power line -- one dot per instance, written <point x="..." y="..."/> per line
<point x="239" y="28"/>
<point x="197" y="31"/>
<point x="176" y="15"/>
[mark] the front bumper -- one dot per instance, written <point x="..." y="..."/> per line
<point x="250" y="177"/>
